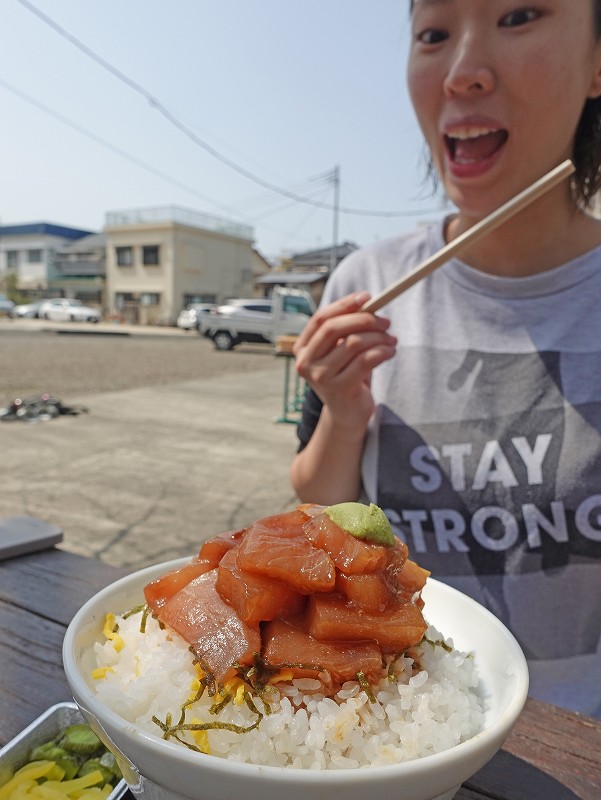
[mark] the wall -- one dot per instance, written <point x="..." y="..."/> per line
<point x="193" y="261"/>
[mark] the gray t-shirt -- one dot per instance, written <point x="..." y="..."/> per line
<point x="485" y="447"/>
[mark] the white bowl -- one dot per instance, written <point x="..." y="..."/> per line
<point x="155" y="768"/>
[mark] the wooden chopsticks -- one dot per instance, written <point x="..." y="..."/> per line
<point x="477" y="231"/>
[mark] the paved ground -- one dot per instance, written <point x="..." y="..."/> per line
<point x="179" y="442"/>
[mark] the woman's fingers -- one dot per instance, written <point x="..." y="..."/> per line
<point x="345" y="305"/>
<point x="332" y="329"/>
<point x="337" y="351"/>
<point x="363" y="349"/>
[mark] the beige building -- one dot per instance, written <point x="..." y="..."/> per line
<point x="158" y="260"/>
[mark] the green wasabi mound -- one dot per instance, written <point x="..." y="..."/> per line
<point x="368" y="523"/>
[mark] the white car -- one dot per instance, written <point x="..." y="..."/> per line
<point x="60" y="309"/>
<point x="258" y="319"/>
<point x="189" y="319"/>
<point x="31" y="310"/>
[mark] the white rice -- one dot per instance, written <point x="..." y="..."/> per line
<point x="419" y="714"/>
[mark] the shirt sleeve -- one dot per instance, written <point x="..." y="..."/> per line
<point x="310" y="417"/>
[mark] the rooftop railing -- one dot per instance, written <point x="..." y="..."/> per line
<point x="181" y="216"/>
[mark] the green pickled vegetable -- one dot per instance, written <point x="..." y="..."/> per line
<point x="75" y="753"/>
<point x="80" y="739"/>
<point x="94" y="765"/>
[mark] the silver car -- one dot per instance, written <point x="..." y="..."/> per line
<point x="6" y="305"/>
<point x="61" y="309"/>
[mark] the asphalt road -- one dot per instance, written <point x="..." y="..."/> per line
<point x="179" y="442"/>
<point x="74" y="359"/>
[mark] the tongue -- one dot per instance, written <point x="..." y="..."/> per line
<point x="480" y="147"/>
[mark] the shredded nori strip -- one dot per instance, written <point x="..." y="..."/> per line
<point x="209" y="679"/>
<point x="438" y="643"/>
<point x="364" y="684"/>
<point x="191" y="701"/>
<point x="217" y="707"/>
<point x="145" y="615"/>
<point x="134" y="610"/>
<point x="259" y="674"/>
<point x="171" y="731"/>
<point x="391" y="666"/>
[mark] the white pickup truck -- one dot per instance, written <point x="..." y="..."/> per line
<point x="258" y="319"/>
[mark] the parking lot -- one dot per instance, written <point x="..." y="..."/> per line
<point x="179" y="441"/>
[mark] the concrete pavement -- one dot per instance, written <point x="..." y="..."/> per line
<point x="150" y="472"/>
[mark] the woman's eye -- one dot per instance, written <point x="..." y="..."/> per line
<point x="432" y="36"/>
<point x="519" y="17"/>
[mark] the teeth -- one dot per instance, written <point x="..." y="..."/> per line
<point x="470" y="132"/>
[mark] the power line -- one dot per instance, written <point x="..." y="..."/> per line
<point x="135" y="160"/>
<point x="109" y="145"/>
<point x="187" y="131"/>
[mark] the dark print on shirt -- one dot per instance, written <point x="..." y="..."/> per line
<point x="522" y="492"/>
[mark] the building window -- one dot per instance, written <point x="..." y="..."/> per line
<point x="34" y="256"/>
<point x="12" y="259"/>
<point x="150" y="299"/>
<point x="150" y="254"/>
<point x="125" y="256"/>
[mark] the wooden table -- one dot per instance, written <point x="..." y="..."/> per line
<point x="551" y="754"/>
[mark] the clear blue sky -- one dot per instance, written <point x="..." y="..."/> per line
<point x="283" y="88"/>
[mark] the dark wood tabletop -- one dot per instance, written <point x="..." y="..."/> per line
<point x="551" y="754"/>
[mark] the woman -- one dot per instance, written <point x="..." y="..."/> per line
<point x="471" y="409"/>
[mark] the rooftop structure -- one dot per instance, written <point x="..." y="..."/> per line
<point x="179" y="216"/>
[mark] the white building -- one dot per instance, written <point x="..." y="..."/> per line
<point x="27" y="252"/>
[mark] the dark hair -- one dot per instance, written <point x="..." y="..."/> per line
<point x="587" y="144"/>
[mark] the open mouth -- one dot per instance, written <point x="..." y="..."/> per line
<point x="469" y="145"/>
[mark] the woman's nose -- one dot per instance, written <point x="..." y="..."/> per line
<point x="470" y="71"/>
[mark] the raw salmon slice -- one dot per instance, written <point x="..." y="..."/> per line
<point x="160" y="591"/>
<point x="286" y="643"/>
<point x="255" y="598"/>
<point x="203" y="619"/>
<point x="369" y="592"/>
<point x="276" y="547"/>
<point x="349" y="554"/>
<point x="396" y="629"/>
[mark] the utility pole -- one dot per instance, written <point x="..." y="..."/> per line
<point x="335" y="177"/>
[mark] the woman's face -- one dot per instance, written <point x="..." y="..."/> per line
<point x="498" y="87"/>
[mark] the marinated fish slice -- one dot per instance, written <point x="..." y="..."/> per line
<point x="285" y="642"/>
<point x="369" y="592"/>
<point x="408" y="581"/>
<point x="349" y="554"/>
<point x="211" y="626"/>
<point x="214" y="549"/>
<point x="255" y="598"/>
<point x="400" y="626"/>
<point x="413" y="577"/>
<point x="277" y="547"/>
<point x="160" y="591"/>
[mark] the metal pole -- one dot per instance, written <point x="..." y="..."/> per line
<point x="334" y="248"/>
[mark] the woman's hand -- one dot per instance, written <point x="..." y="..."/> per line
<point x="336" y="354"/>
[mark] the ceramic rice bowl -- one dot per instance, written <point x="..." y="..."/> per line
<point x="155" y="768"/>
